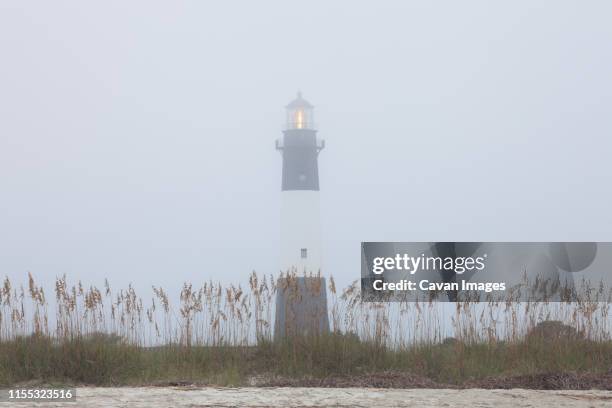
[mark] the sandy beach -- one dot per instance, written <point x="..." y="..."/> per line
<point x="142" y="397"/>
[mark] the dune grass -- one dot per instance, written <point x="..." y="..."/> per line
<point x="223" y="336"/>
<point x="100" y="362"/>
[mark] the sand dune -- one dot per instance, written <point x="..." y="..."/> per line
<point x="325" y="397"/>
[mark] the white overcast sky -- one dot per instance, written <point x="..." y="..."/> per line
<point x="137" y="138"/>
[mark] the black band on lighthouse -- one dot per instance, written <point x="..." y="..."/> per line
<point x="300" y="151"/>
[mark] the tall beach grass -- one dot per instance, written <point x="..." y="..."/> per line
<point x="223" y="334"/>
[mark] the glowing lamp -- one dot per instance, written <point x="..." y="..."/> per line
<point x="300" y="114"/>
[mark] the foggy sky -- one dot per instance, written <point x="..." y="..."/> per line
<point x="137" y="138"/>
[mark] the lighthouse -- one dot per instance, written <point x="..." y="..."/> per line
<point x="300" y="208"/>
<point x="301" y="303"/>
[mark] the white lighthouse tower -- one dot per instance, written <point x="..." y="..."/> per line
<point x="300" y="209"/>
<point x="301" y="304"/>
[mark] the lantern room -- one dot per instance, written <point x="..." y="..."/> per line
<point x="300" y="114"/>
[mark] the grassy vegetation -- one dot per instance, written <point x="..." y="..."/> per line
<point x="95" y="361"/>
<point x="223" y="335"/>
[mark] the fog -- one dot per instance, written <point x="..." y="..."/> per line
<point x="137" y="138"/>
